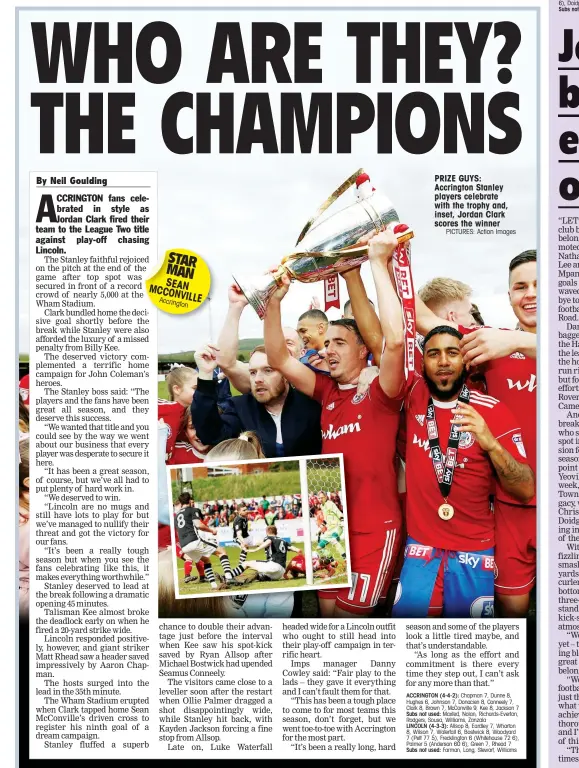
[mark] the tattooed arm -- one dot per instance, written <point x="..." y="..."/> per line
<point x="516" y="479"/>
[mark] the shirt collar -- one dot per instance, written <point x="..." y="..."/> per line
<point x="445" y="404"/>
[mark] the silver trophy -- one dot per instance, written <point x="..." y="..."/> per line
<point x="329" y="243"/>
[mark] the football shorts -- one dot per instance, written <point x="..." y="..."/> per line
<point x="372" y="560"/>
<point x="198" y="549"/>
<point x="515" y="548"/>
<point x="436" y="582"/>
<point x="275" y="571"/>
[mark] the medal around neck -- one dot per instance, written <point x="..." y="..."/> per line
<point x="446" y="511"/>
<point x="328" y="244"/>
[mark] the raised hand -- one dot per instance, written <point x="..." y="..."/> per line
<point x="206" y="360"/>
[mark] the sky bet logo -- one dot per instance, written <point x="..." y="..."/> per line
<point x="483" y="608"/>
<point x="487" y="561"/>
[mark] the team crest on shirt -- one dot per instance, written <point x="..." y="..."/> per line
<point x="518" y="441"/>
<point x="466" y="440"/>
<point x="358" y="397"/>
<point x="420" y="418"/>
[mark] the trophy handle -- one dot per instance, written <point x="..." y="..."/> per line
<point x="328" y="201"/>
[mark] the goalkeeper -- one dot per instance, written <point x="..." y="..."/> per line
<point x="331" y="531"/>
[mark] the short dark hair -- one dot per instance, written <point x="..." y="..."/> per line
<point x="442" y="329"/>
<point x="314" y="314"/>
<point x="523" y="258"/>
<point x="351" y="325"/>
<point x="272" y="530"/>
<point x="185" y="498"/>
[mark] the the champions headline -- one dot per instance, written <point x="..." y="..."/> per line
<point x="287" y="122"/>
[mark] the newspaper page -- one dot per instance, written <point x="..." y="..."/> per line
<point x="277" y="367"/>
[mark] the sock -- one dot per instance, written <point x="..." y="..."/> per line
<point x="210" y="575"/>
<point x="188" y="567"/>
<point x="239" y="570"/>
<point x="340" y="548"/>
<point x="200" y="565"/>
<point x="226" y="566"/>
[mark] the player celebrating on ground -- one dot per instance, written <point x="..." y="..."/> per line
<point x="355" y="424"/>
<point x="296" y="567"/>
<point x="332" y="532"/>
<point x="456" y="439"/>
<point x="272" y="569"/>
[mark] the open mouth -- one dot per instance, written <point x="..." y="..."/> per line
<point x="260" y="391"/>
<point x="530" y="308"/>
<point x="332" y="363"/>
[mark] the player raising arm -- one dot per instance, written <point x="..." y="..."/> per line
<point x="381" y="247"/>
<point x="228" y="343"/>
<point x="355" y="423"/>
<point x="364" y="313"/>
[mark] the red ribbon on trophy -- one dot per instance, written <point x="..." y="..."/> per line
<point x="405" y="290"/>
<point x="331" y="292"/>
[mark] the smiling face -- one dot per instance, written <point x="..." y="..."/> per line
<point x="268" y="386"/>
<point x="523" y="295"/>
<point x="312" y="333"/>
<point x="346" y="357"/>
<point x="443" y="366"/>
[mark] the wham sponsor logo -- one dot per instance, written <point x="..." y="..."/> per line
<point x="419" y="442"/>
<point x="530" y="384"/>
<point x="332" y="433"/>
<point x="424" y="444"/>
